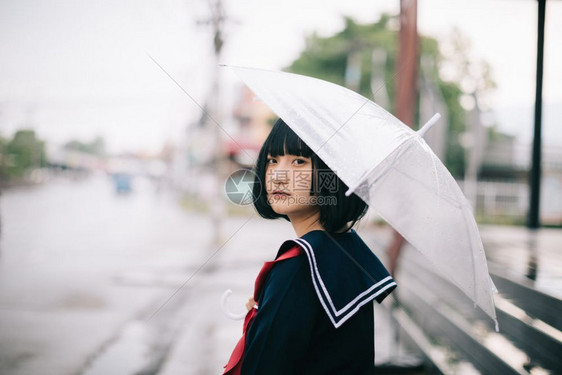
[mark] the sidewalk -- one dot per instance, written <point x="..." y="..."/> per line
<point x="520" y="253"/>
<point x="208" y="337"/>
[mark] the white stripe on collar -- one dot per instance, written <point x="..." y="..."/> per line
<point x="334" y="314"/>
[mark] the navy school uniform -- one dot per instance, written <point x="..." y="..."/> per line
<point x="315" y="313"/>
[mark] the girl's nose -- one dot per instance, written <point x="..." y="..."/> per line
<point x="280" y="174"/>
<point x="279" y="177"/>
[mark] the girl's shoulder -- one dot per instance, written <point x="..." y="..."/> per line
<point x="344" y="272"/>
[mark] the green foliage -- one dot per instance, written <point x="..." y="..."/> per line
<point x="22" y="153"/>
<point x="95" y="147"/>
<point x="454" y="159"/>
<point x="326" y="58"/>
<point x="3" y="171"/>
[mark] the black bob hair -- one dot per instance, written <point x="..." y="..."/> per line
<point x="338" y="217"/>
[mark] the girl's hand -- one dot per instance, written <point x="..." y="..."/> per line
<point x="250" y="304"/>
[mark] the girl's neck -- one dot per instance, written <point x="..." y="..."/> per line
<point x="303" y="225"/>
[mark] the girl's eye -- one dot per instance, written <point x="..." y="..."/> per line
<point x="296" y="161"/>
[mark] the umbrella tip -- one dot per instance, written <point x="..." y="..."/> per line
<point x="429" y="124"/>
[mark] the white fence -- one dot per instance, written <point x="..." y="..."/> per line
<point x="511" y="200"/>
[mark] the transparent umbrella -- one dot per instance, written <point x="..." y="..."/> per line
<point x="389" y="166"/>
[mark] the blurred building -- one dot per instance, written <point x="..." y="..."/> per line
<point x="497" y="165"/>
<point x="503" y="182"/>
<point x="64" y="159"/>
<point x="192" y="165"/>
<point x="254" y="121"/>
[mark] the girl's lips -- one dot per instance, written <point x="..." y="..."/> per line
<point x="282" y="193"/>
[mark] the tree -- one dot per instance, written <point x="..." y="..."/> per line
<point x="327" y="58"/>
<point x="22" y="153"/>
<point x="95" y="147"/>
<point x="3" y="160"/>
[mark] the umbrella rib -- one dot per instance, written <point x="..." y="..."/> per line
<point x="401" y="148"/>
<point x="469" y="224"/>
<point x="428" y="188"/>
<point x="338" y="129"/>
<point x="434" y="167"/>
<point x="367" y="101"/>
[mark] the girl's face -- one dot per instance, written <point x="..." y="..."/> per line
<point x="288" y="182"/>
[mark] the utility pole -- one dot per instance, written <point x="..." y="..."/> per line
<point x="218" y="207"/>
<point x="407" y="63"/>
<point x="533" y="220"/>
<point x="474" y="150"/>
<point x="406" y="90"/>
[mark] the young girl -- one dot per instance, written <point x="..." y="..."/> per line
<point x="312" y="310"/>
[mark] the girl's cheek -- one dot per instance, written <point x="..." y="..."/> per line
<point x="302" y="187"/>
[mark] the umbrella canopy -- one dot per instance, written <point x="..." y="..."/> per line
<point x="389" y="166"/>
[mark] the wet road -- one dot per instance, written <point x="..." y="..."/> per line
<point x="78" y="263"/>
<point x="96" y="283"/>
<point x="534" y="256"/>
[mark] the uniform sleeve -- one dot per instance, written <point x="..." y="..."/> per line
<point x="279" y="337"/>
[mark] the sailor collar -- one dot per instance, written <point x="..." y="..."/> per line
<point x="345" y="273"/>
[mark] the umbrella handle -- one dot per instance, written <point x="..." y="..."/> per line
<point x="428" y="124"/>
<point x="225" y="309"/>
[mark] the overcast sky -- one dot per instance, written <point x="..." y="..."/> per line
<point x="77" y="69"/>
